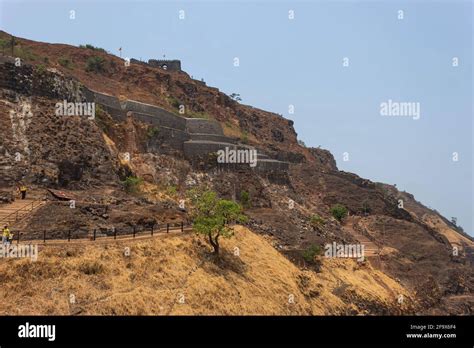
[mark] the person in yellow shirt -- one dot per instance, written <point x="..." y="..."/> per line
<point x="6" y="235"/>
<point x="23" y="191"/>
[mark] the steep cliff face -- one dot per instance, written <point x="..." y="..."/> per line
<point x="85" y="158"/>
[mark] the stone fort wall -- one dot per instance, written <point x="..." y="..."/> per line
<point x="165" y="64"/>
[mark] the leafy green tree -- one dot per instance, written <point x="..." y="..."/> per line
<point x="212" y="216"/>
<point x="339" y="211"/>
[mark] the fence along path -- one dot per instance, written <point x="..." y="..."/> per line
<point x="93" y="236"/>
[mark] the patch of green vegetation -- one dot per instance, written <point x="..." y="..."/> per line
<point x="213" y="216"/>
<point x="244" y="137"/>
<point x="245" y="199"/>
<point x="92" y="47"/>
<point x="65" y="62"/>
<point x="339" y="211"/>
<point x="24" y="53"/>
<point x="152" y="131"/>
<point x="171" y="190"/>
<point x="310" y="254"/>
<point x="95" y="64"/>
<point x="132" y="184"/>
<point x="40" y="69"/>
<point x="4" y="44"/>
<point x="174" y="102"/>
<point x="317" y="221"/>
<point x="193" y="114"/>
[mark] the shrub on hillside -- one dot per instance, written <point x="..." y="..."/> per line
<point x="317" y="220"/>
<point x="95" y="64"/>
<point x="132" y="184"/>
<point x="245" y="199"/>
<point x="310" y="253"/>
<point x="339" y="211"/>
<point x="92" y="47"/>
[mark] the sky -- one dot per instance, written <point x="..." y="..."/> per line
<point x="333" y="63"/>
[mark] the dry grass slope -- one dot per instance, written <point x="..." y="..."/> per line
<point x="175" y="275"/>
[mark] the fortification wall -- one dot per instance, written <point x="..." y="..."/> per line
<point x="162" y="119"/>
<point x="272" y="165"/>
<point x="166" y="118"/>
<point x="168" y="137"/>
<point x="117" y="114"/>
<point x="193" y="149"/>
<point x="108" y="100"/>
<point x="198" y="125"/>
<point x="174" y="65"/>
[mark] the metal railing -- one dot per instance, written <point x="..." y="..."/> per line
<point x="97" y="234"/>
<point x="26" y="208"/>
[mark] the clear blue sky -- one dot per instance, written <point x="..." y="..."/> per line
<point x="299" y="62"/>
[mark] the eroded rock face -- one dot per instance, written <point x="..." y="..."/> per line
<point x="324" y="157"/>
<point x="40" y="147"/>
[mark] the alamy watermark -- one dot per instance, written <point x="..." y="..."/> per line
<point x="66" y="108"/>
<point x="229" y="155"/>
<point x="345" y="251"/>
<point x="405" y="109"/>
<point x="8" y="250"/>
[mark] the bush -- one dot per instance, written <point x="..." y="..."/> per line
<point x="132" y="184"/>
<point x="317" y="220"/>
<point x="40" y="69"/>
<point x="65" y="62"/>
<point x="92" y="47"/>
<point x="339" y="211"/>
<point x="95" y="64"/>
<point x="310" y="253"/>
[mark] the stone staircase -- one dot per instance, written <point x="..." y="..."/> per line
<point x="370" y="248"/>
<point x="18" y="210"/>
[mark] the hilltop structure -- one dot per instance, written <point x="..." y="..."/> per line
<point x="165" y="64"/>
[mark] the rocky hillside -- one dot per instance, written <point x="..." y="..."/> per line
<point x="414" y="247"/>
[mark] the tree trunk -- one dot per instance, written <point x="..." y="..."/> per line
<point x="215" y="244"/>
